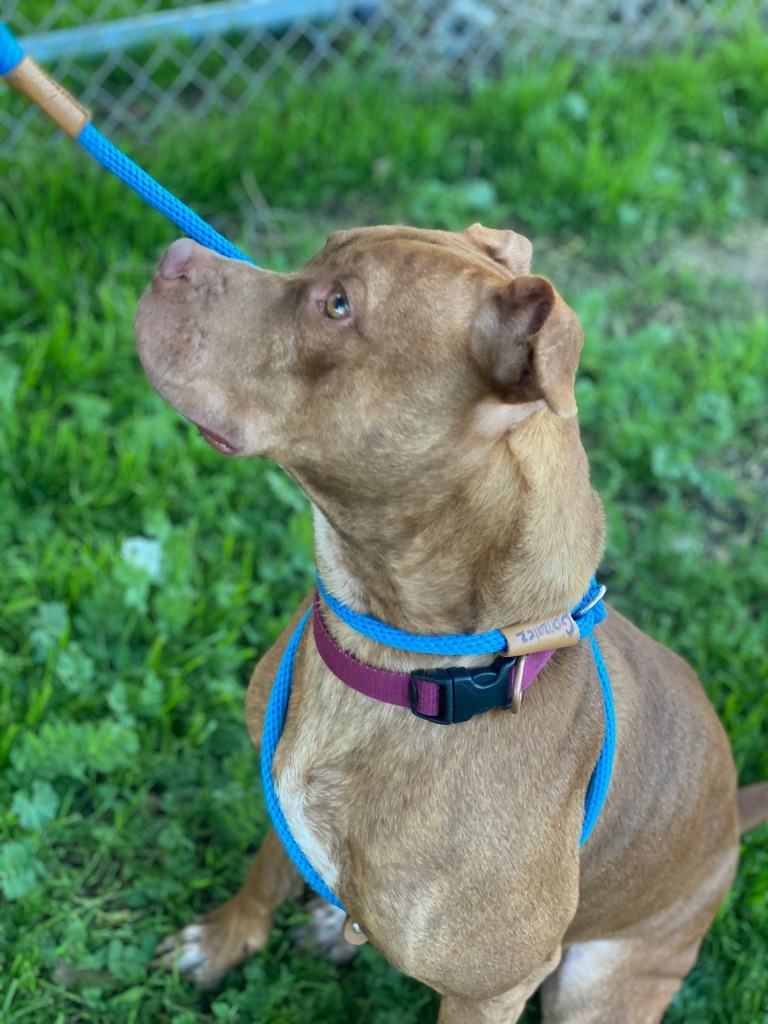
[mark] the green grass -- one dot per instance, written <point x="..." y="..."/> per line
<point x="129" y="791"/>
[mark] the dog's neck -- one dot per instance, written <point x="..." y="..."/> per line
<point x="512" y="538"/>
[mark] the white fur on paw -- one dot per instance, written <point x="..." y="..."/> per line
<point x="324" y="932"/>
<point x="185" y="952"/>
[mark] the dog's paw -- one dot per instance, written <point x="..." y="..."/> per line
<point x="208" y="948"/>
<point x="324" y="932"/>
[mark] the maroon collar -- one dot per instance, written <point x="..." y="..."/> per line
<point x="439" y="695"/>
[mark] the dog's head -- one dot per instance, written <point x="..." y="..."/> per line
<point x="386" y="350"/>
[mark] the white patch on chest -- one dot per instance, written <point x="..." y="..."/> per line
<point x="586" y="965"/>
<point x="292" y="795"/>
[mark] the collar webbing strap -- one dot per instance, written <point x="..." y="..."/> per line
<point x="430" y="693"/>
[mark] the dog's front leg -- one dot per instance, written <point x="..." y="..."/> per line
<point x="209" y="947"/>
<point x="212" y="945"/>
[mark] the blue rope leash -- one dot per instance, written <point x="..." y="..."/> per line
<point x="273" y="729"/>
<point x="11" y="55"/>
<point x="453" y="644"/>
<point x="456" y="644"/>
<point x="597" y="790"/>
<point x="277" y="708"/>
<point x="152" y="192"/>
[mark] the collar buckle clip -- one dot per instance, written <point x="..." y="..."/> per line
<point x="465" y="692"/>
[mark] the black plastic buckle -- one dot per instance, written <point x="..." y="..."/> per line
<point x="464" y="692"/>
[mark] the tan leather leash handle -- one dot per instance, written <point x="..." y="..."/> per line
<point x="25" y="75"/>
<point x="28" y="78"/>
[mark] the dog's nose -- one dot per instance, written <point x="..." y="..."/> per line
<point x="177" y="259"/>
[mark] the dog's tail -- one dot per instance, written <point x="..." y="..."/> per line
<point x="753" y="805"/>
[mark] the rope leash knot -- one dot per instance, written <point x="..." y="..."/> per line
<point x="26" y="76"/>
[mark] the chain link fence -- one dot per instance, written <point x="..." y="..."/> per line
<point x="134" y="63"/>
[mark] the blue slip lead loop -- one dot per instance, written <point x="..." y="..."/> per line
<point x="273" y="728"/>
<point x="588" y="613"/>
<point x="25" y="75"/>
<point x="597" y="790"/>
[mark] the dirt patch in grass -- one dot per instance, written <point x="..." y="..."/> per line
<point x="742" y="256"/>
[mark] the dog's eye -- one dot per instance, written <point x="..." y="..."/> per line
<point x="336" y="305"/>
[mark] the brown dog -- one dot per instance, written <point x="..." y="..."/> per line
<point x="419" y="387"/>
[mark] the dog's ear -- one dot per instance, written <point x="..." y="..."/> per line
<point x="526" y="343"/>
<point x="511" y="250"/>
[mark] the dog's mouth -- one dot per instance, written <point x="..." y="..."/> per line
<point x="221" y="444"/>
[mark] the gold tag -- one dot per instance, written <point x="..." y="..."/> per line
<point x="353" y="933"/>
<point x="530" y="637"/>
